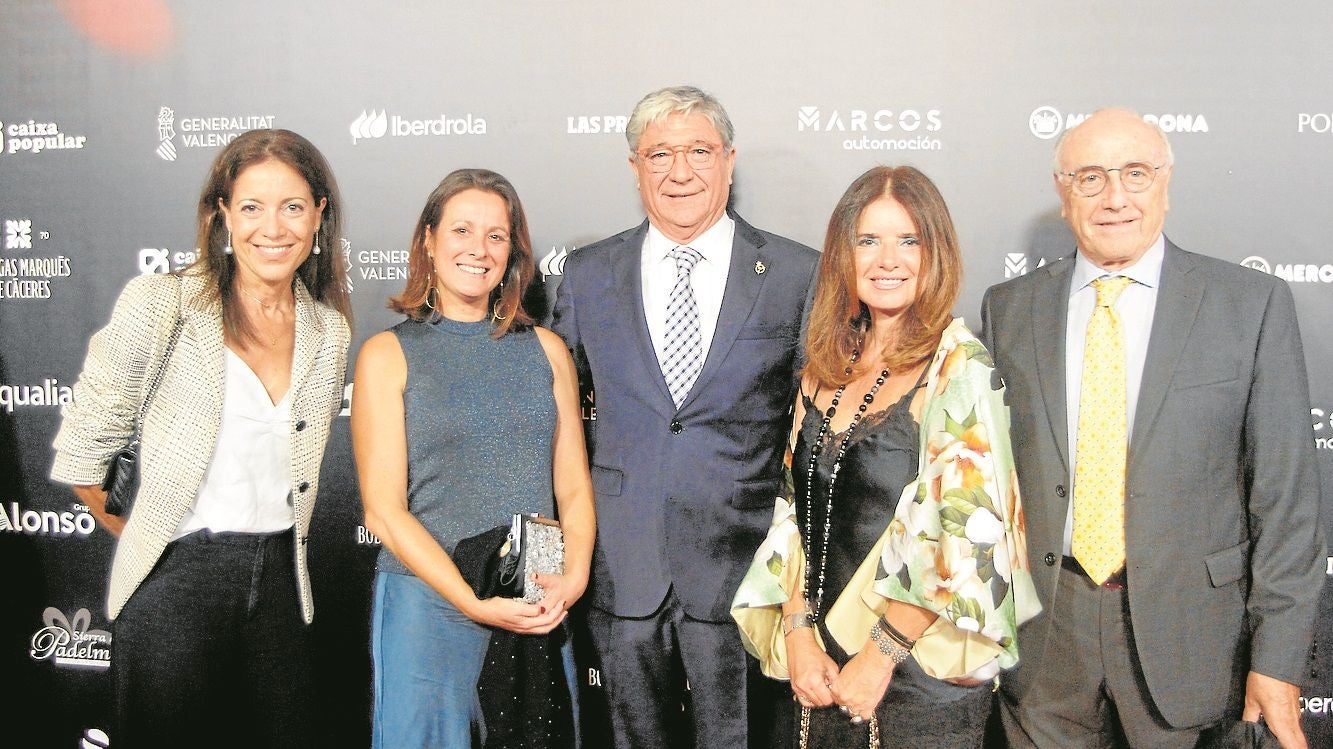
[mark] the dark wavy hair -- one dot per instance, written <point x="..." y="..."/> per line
<point x="324" y="275"/>
<point x="506" y="300"/>
<point x="837" y="316"/>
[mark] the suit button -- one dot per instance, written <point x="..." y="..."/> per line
<point x="300" y="425"/>
<point x="303" y="487"/>
<point x="1049" y="559"/>
<point x="676" y="427"/>
<point x="1060" y="490"/>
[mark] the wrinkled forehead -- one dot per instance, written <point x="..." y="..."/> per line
<point x="679" y="129"/>
<point x="1111" y="144"/>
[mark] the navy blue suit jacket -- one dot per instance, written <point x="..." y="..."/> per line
<point x="684" y="495"/>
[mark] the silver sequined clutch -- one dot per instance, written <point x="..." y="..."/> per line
<point x="536" y="544"/>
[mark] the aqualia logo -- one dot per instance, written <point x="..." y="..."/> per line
<point x="69" y="643"/>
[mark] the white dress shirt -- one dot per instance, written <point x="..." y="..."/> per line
<point x="1135" y="306"/>
<point x="246" y="486"/>
<point x="708" y="279"/>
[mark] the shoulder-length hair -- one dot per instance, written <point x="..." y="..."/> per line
<point x="506" y="300"/>
<point x="324" y="275"/>
<point x="838" y="319"/>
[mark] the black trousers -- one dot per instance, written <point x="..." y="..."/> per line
<point x="647" y="663"/>
<point x="211" y="649"/>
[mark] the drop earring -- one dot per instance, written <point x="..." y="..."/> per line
<point x="226" y="250"/>
<point x="314" y="250"/>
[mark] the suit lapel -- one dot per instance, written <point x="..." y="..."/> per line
<point x="627" y="265"/>
<point x="1178" y="298"/>
<point x="1050" y="311"/>
<point x="742" y="289"/>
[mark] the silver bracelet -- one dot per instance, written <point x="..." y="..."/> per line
<point x="793" y="622"/>
<point x="888" y="646"/>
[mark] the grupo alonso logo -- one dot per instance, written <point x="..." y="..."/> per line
<point x="1046" y="122"/>
<point x="553" y="262"/>
<point x="70" y="643"/>
<point x="1292" y="272"/>
<point x="77" y="520"/>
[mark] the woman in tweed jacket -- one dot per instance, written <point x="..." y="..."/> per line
<point x="209" y="588"/>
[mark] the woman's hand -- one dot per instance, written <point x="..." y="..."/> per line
<point x="811" y="669"/>
<point x="564" y="590"/>
<point x="863" y="681"/>
<point x="93" y="496"/>
<point x="517" y="616"/>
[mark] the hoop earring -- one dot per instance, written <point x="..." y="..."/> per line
<point x="226" y="249"/>
<point x="430" y="291"/>
<point x="495" y="310"/>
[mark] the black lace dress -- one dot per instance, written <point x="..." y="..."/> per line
<point x="917" y="711"/>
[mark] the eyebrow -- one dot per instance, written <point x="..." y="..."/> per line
<point x="661" y="143"/>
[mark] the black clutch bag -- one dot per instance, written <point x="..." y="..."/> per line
<point x="121" y="482"/>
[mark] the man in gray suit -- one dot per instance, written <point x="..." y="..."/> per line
<point x="686" y="327"/>
<point x="1180" y="571"/>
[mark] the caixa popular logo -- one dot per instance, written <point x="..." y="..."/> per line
<point x="74" y="521"/>
<point x="69" y="643"/>
<point x="1046" y="122"/>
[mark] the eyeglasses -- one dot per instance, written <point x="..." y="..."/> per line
<point x="1091" y="180"/>
<point x="697" y="155"/>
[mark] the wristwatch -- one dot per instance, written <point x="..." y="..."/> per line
<point x="793" y="622"/>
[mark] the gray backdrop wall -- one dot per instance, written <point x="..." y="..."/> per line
<point x="110" y="113"/>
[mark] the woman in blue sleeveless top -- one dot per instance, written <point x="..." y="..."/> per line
<point x="463" y="414"/>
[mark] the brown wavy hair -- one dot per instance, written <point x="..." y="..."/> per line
<point x="838" y="319"/>
<point x="324" y="275"/>
<point x="507" y="300"/>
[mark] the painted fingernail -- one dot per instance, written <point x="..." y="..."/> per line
<point x="541" y="609"/>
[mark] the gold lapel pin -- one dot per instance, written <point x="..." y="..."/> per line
<point x="759" y="267"/>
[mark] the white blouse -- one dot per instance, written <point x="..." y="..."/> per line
<point x="247" y="487"/>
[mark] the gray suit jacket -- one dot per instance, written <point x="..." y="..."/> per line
<point x="1222" y="541"/>
<point x="684" y="495"/>
<point x="181" y="427"/>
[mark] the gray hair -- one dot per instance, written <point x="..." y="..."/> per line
<point x="683" y="100"/>
<point x="1166" y="144"/>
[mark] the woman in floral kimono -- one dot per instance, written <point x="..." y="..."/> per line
<point x="891" y="584"/>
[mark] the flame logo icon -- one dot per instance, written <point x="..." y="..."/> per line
<point x="370" y="124"/>
<point x="553" y="263"/>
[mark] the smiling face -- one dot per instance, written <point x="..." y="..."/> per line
<point x="469" y="251"/>
<point x="272" y="217"/>
<point x="1114" y="228"/>
<point x="684" y="201"/>
<point x="888" y="260"/>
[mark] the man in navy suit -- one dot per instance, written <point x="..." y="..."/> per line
<point x="686" y="327"/>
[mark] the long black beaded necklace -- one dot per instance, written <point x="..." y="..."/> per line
<point x="815" y="450"/>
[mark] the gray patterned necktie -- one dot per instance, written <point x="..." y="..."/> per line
<point x="683" y="356"/>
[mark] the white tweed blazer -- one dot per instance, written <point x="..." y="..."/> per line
<point x="181" y="427"/>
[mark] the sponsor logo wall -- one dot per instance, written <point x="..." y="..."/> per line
<point x="103" y="151"/>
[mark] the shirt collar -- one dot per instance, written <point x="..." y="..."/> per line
<point x="714" y="243"/>
<point x="1147" y="271"/>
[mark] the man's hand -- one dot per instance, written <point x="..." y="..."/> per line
<point x="1280" y="705"/>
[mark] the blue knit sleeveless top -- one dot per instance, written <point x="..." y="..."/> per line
<point x="480" y="423"/>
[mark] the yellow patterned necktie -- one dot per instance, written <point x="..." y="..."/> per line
<point x="1103" y="437"/>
